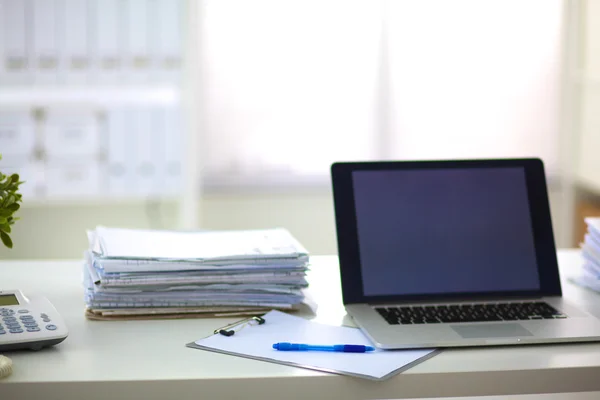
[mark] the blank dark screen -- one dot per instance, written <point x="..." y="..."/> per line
<point x="449" y="231"/>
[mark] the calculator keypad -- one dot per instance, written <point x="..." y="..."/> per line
<point x="6" y="312"/>
<point x="9" y="323"/>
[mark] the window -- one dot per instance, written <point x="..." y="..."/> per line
<point x="291" y="86"/>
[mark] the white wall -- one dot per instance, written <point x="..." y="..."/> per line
<point x="58" y="232"/>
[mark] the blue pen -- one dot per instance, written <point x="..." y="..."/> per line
<point x="344" y="348"/>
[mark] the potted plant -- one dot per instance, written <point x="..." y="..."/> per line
<point x="9" y="204"/>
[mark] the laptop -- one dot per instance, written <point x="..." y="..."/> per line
<point x="451" y="253"/>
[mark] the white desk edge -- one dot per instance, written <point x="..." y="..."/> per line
<point x="148" y="359"/>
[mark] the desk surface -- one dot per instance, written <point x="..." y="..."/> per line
<point x="148" y="359"/>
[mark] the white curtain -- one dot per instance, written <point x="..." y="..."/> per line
<point x="290" y="86"/>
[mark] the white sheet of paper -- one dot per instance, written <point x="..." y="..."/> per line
<point x="205" y="245"/>
<point x="593" y="224"/>
<point x="256" y="342"/>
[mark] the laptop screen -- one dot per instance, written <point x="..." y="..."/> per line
<point x="443" y="231"/>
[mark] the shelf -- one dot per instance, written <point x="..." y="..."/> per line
<point x="27" y="96"/>
<point x="89" y="201"/>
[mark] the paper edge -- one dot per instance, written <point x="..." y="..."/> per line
<point x="403" y="368"/>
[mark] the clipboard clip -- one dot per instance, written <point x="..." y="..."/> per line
<point x="231" y="329"/>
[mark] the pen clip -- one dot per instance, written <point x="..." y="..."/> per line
<point x="228" y="330"/>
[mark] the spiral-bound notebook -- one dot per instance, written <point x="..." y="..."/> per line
<point x="256" y="342"/>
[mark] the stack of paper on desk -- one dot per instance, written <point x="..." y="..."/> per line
<point x="589" y="275"/>
<point x="144" y="273"/>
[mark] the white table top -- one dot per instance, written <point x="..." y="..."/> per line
<point x="148" y="359"/>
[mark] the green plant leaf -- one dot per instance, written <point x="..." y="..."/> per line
<point x="9" y="197"/>
<point x="9" y="200"/>
<point x="6" y="240"/>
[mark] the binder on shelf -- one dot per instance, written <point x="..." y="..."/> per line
<point x="30" y="171"/>
<point x="160" y="151"/>
<point x="72" y="180"/>
<point x="146" y="147"/>
<point x="15" y="21"/>
<point x="118" y="144"/>
<point x="172" y="134"/>
<point x="44" y="54"/>
<point x="71" y="134"/>
<point x="167" y="18"/>
<point x="75" y="61"/>
<point x="107" y="29"/>
<point x="17" y="133"/>
<point x="137" y="56"/>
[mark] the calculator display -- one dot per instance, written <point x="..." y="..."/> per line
<point x="8" y="300"/>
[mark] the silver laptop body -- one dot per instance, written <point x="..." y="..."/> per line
<point x="577" y="327"/>
<point x="452" y="253"/>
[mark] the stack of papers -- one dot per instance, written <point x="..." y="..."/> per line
<point x="142" y="273"/>
<point x="589" y="275"/>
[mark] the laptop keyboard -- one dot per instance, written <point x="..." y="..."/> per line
<point x="454" y="313"/>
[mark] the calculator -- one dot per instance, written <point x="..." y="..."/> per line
<point x="29" y="322"/>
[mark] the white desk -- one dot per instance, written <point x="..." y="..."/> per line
<point x="148" y="359"/>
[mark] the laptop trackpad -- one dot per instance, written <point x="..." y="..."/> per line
<point x="491" y="331"/>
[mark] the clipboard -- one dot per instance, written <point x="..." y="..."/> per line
<point x="256" y="342"/>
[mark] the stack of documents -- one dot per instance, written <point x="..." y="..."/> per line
<point x="132" y="273"/>
<point x="589" y="275"/>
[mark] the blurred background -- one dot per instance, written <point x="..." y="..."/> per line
<point x="226" y="114"/>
